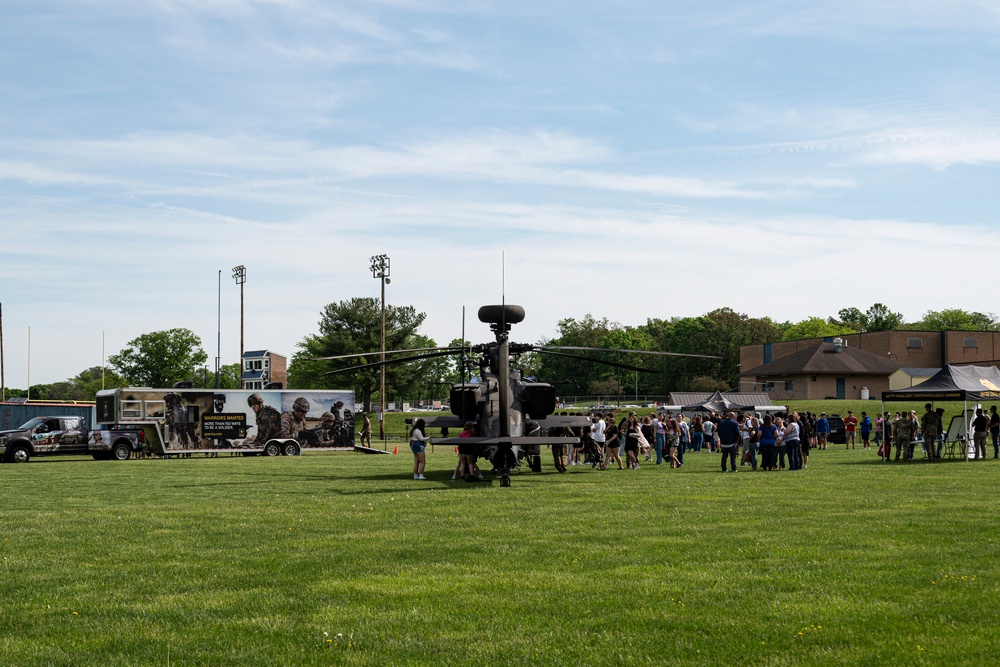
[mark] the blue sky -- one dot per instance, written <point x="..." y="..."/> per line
<point x="628" y="159"/>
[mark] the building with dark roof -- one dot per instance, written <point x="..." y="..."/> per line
<point x="904" y="349"/>
<point x="263" y="367"/>
<point x="823" y="370"/>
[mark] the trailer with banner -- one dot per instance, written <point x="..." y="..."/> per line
<point x="186" y="421"/>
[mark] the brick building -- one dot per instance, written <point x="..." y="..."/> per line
<point x="262" y="367"/>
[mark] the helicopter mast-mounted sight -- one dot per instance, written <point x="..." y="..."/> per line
<point x="500" y="318"/>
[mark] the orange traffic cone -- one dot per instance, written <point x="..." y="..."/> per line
<point x="395" y="449"/>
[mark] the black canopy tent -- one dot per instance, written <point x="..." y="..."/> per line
<point x="952" y="383"/>
<point x="714" y="403"/>
<point x="719" y="402"/>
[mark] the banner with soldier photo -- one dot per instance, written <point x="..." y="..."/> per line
<point x="190" y="420"/>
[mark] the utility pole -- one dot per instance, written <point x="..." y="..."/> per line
<point x="380" y="270"/>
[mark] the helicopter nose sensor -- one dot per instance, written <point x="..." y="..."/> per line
<point x="506" y="314"/>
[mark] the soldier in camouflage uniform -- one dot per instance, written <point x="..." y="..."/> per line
<point x="560" y="452"/>
<point x="366" y="430"/>
<point x="930" y="426"/>
<point x="327" y="430"/>
<point x="901" y="429"/>
<point x="176" y="420"/>
<point x="294" y="420"/>
<point x="268" y="420"/>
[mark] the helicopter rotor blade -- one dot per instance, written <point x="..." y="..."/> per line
<point x="399" y="360"/>
<point x="595" y="361"/>
<point x="379" y="352"/>
<point x="607" y="349"/>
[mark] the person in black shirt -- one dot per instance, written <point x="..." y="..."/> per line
<point x="729" y="439"/>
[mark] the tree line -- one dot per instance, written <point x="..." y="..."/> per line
<point x="353" y="327"/>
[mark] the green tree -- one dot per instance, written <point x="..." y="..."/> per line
<point x="160" y="358"/>
<point x="630" y="338"/>
<point x="609" y="387"/>
<point x="48" y="392"/>
<point x="454" y="362"/>
<point x="849" y="317"/>
<point x="814" y="327"/>
<point x="880" y="318"/>
<point x="702" y="383"/>
<point x="83" y="387"/>
<point x="719" y="333"/>
<point x="90" y="381"/>
<point x="876" y="318"/>
<point x="954" y="319"/>
<point x="572" y="376"/>
<point x="430" y="378"/>
<point x="353" y="327"/>
<point x="230" y="377"/>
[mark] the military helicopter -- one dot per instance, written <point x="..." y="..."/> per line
<point x="512" y="415"/>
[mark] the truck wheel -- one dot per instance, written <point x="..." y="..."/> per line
<point x="121" y="452"/>
<point x="19" y="454"/>
<point x="290" y="449"/>
<point x="272" y="449"/>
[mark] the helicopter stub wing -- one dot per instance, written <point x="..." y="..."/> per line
<point x="509" y="440"/>
<point x="442" y="422"/>
<point x="563" y="421"/>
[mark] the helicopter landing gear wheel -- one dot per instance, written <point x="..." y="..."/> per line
<point x="505" y="481"/>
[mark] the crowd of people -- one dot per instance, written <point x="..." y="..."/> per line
<point x="905" y="432"/>
<point x="763" y="442"/>
<point x="664" y="438"/>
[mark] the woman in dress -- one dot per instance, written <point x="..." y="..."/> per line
<point x="611" y="443"/>
<point x="632" y="435"/>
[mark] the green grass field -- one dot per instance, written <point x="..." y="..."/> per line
<point x="344" y="559"/>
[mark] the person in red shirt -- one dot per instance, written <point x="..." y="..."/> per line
<point x="850" y="428"/>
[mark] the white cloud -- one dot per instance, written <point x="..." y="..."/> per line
<point x="936" y="149"/>
<point x="219" y="165"/>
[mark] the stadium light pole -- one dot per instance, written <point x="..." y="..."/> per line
<point x="218" y="336"/>
<point x="240" y="274"/>
<point x="380" y="270"/>
<point x="3" y="383"/>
